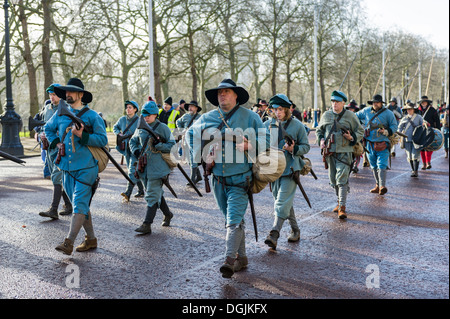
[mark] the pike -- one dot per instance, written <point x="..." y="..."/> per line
<point x="64" y="111"/>
<point x="144" y="126"/>
<point x="252" y="207"/>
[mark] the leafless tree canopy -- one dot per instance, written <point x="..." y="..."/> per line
<point x="265" y="45"/>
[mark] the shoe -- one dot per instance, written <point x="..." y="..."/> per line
<point x="424" y="167"/>
<point x="294" y="236"/>
<point x="336" y="209"/>
<point x="393" y="154"/>
<point x="51" y="213"/>
<point x="67" y="210"/>
<point x="240" y="263"/>
<point x="383" y="190"/>
<point x="66" y="247"/>
<point x="227" y="269"/>
<point x="87" y="244"/>
<point x="342" y="214"/>
<point x="139" y="194"/>
<point x="272" y="239"/>
<point x="375" y="190"/>
<point x="145" y="228"/>
<point x="166" y="221"/>
<point x="366" y="164"/>
<point x="429" y="166"/>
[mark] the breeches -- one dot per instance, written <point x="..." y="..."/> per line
<point x="153" y="191"/>
<point x="378" y="160"/>
<point x="78" y="187"/>
<point x="283" y="191"/>
<point x="231" y="197"/>
<point x="412" y="153"/>
<point x="338" y="170"/>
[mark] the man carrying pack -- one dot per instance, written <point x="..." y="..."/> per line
<point x="338" y="131"/>
<point x="75" y="160"/>
<point x="231" y="168"/>
<point x="379" y="125"/>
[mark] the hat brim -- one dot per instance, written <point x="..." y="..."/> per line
<point x="371" y="102"/>
<point x="186" y="107"/>
<point x="60" y="91"/>
<point x="212" y="95"/>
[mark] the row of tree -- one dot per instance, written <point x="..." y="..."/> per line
<point x="265" y="45"/>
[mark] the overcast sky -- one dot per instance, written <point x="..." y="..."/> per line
<point x="429" y="18"/>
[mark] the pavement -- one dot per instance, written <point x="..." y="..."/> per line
<point x="391" y="247"/>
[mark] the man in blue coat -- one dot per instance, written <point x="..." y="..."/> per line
<point x="232" y="166"/>
<point x="380" y="123"/>
<point x="79" y="167"/>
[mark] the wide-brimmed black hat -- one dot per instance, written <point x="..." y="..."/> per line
<point x="73" y="85"/>
<point x="425" y="99"/>
<point x="376" y="98"/>
<point x="242" y="94"/>
<point x="194" y="103"/>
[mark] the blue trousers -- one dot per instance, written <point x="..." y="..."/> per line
<point x="79" y="193"/>
<point x="283" y="191"/>
<point x="231" y="197"/>
<point x="378" y="160"/>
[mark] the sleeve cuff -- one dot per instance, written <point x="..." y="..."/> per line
<point x="84" y="138"/>
<point x="54" y="143"/>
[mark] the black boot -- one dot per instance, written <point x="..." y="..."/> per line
<point x="412" y="168"/>
<point x="145" y="228"/>
<point x="167" y="213"/>
<point x="416" y="168"/>
<point x="127" y="194"/>
<point x="141" y="190"/>
<point x="53" y="211"/>
<point x="67" y="207"/>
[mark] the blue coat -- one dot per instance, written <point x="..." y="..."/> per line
<point x="387" y="119"/>
<point x="296" y="130"/>
<point x="121" y="125"/>
<point x="229" y="161"/>
<point x="78" y="156"/>
<point x="156" y="167"/>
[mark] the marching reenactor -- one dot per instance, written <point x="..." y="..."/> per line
<point x="124" y="130"/>
<point x="155" y="169"/>
<point x="75" y="160"/>
<point x="353" y="107"/>
<point x="431" y="118"/>
<point x="338" y="131"/>
<point x="55" y="174"/>
<point x="397" y="110"/>
<point x="183" y="124"/>
<point x="232" y="174"/>
<point x="380" y="124"/>
<point x="288" y="134"/>
<point x="263" y="110"/>
<point x="407" y="126"/>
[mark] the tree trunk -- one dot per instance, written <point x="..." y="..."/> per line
<point x="46" y="56"/>
<point x="192" y="66"/>
<point x="28" y="57"/>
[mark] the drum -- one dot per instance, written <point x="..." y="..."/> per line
<point x="437" y="143"/>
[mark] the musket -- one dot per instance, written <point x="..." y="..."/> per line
<point x="252" y="207"/>
<point x="12" y="158"/>
<point x="348" y="71"/>
<point x="64" y="111"/>
<point x="296" y="177"/>
<point x="289" y="141"/>
<point x="144" y="126"/>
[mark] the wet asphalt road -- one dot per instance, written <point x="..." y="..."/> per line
<point x="391" y="247"/>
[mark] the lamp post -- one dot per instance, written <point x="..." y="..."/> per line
<point x="10" y="120"/>
<point x="316" y="27"/>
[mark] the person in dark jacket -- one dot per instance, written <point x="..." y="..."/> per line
<point x="431" y="118"/>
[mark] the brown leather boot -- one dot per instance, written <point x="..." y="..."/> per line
<point x="66" y="247"/>
<point x="383" y="190"/>
<point x="342" y="214"/>
<point x="375" y="190"/>
<point x="240" y="263"/>
<point x="336" y="209"/>
<point x="227" y="269"/>
<point x="88" y="243"/>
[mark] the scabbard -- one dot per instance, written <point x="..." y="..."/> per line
<point x="297" y="181"/>
<point x="165" y="181"/>
<point x="252" y="209"/>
